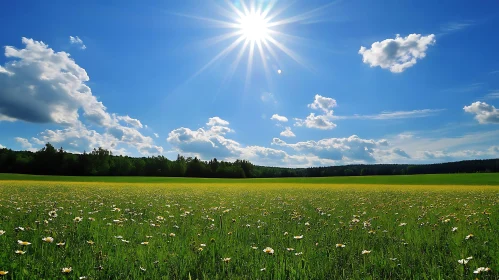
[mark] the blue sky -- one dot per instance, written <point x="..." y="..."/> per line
<point x="342" y="81"/>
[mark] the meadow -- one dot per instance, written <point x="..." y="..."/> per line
<point x="249" y="229"/>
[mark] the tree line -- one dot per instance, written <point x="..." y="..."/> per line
<point x="101" y="162"/>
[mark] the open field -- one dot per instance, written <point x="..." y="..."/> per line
<point x="219" y="229"/>
<point x="430" y="179"/>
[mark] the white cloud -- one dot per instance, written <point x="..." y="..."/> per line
<point x="320" y="122"/>
<point x="492" y="95"/>
<point x="456" y="26"/>
<point x="393" y="115"/>
<point x="217" y="121"/>
<point x="484" y="113"/>
<point x="76" y="40"/>
<point x="397" y="54"/>
<point x="46" y="86"/>
<point x="156" y="135"/>
<point x="287" y="132"/>
<point x="49" y="87"/>
<point x="323" y="103"/>
<point x="2" y="146"/>
<point x="279" y="118"/>
<point x="344" y="149"/>
<point x="25" y="144"/>
<point x="131" y="121"/>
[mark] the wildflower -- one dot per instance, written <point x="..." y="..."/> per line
<point x="365" y="252"/>
<point x="67" y="270"/>
<point x="269" y="250"/>
<point x="402" y="224"/>
<point x="82" y="277"/>
<point x="339" y="245"/>
<point x="226" y="260"/>
<point x="172" y="234"/>
<point x="454" y="229"/>
<point x="393" y="259"/>
<point x="90" y="242"/>
<point x="2" y="273"/>
<point x="290" y="249"/>
<point x="148" y="236"/>
<point x="469" y="236"/>
<point x="200" y="249"/>
<point x="144" y="243"/>
<point x="19" y="229"/>
<point x="481" y="269"/>
<point x="141" y="268"/>
<point x="298" y="237"/>
<point x="19" y="252"/>
<point x="78" y="219"/>
<point x="125" y="241"/>
<point x="262" y="269"/>
<point x="469" y="258"/>
<point x="307" y="224"/>
<point x="254" y="247"/>
<point x="299" y="253"/>
<point x="48" y="239"/>
<point x="23" y="243"/>
<point x="60" y="244"/>
<point x="286" y="233"/>
<point x="463" y="261"/>
<point x="371" y="232"/>
<point x="202" y="245"/>
<point x="53" y="214"/>
<point x="2" y="232"/>
<point x="119" y="237"/>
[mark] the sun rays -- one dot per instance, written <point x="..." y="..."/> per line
<point x="252" y="29"/>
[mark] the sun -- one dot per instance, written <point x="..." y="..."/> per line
<point x="254" y="27"/>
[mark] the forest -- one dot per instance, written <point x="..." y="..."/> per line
<point x="101" y="162"/>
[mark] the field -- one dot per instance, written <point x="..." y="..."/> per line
<point x="220" y="229"/>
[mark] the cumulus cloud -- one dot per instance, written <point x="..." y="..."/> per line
<point x="131" y="121"/>
<point x="323" y="103"/>
<point x="397" y="54"/>
<point x="25" y="144"/>
<point x="287" y="132"/>
<point x="46" y="87"/>
<point x="484" y="113"/>
<point x="345" y="149"/>
<point x="40" y="85"/>
<point x="1" y="146"/>
<point x="279" y="118"/>
<point x="77" y="41"/>
<point x="320" y="122"/>
<point x="207" y="143"/>
<point x="156" y="135"/>
<point x="217" y="121"/>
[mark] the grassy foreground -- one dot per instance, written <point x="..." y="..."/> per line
<point x="430" y="179"/>
<point x="221" y="230"/>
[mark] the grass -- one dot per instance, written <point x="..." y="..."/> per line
<point x="429" y="179"/>
<point x="406" y="228"/>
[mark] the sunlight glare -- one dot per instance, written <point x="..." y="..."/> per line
<point x="254" y="27"/>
